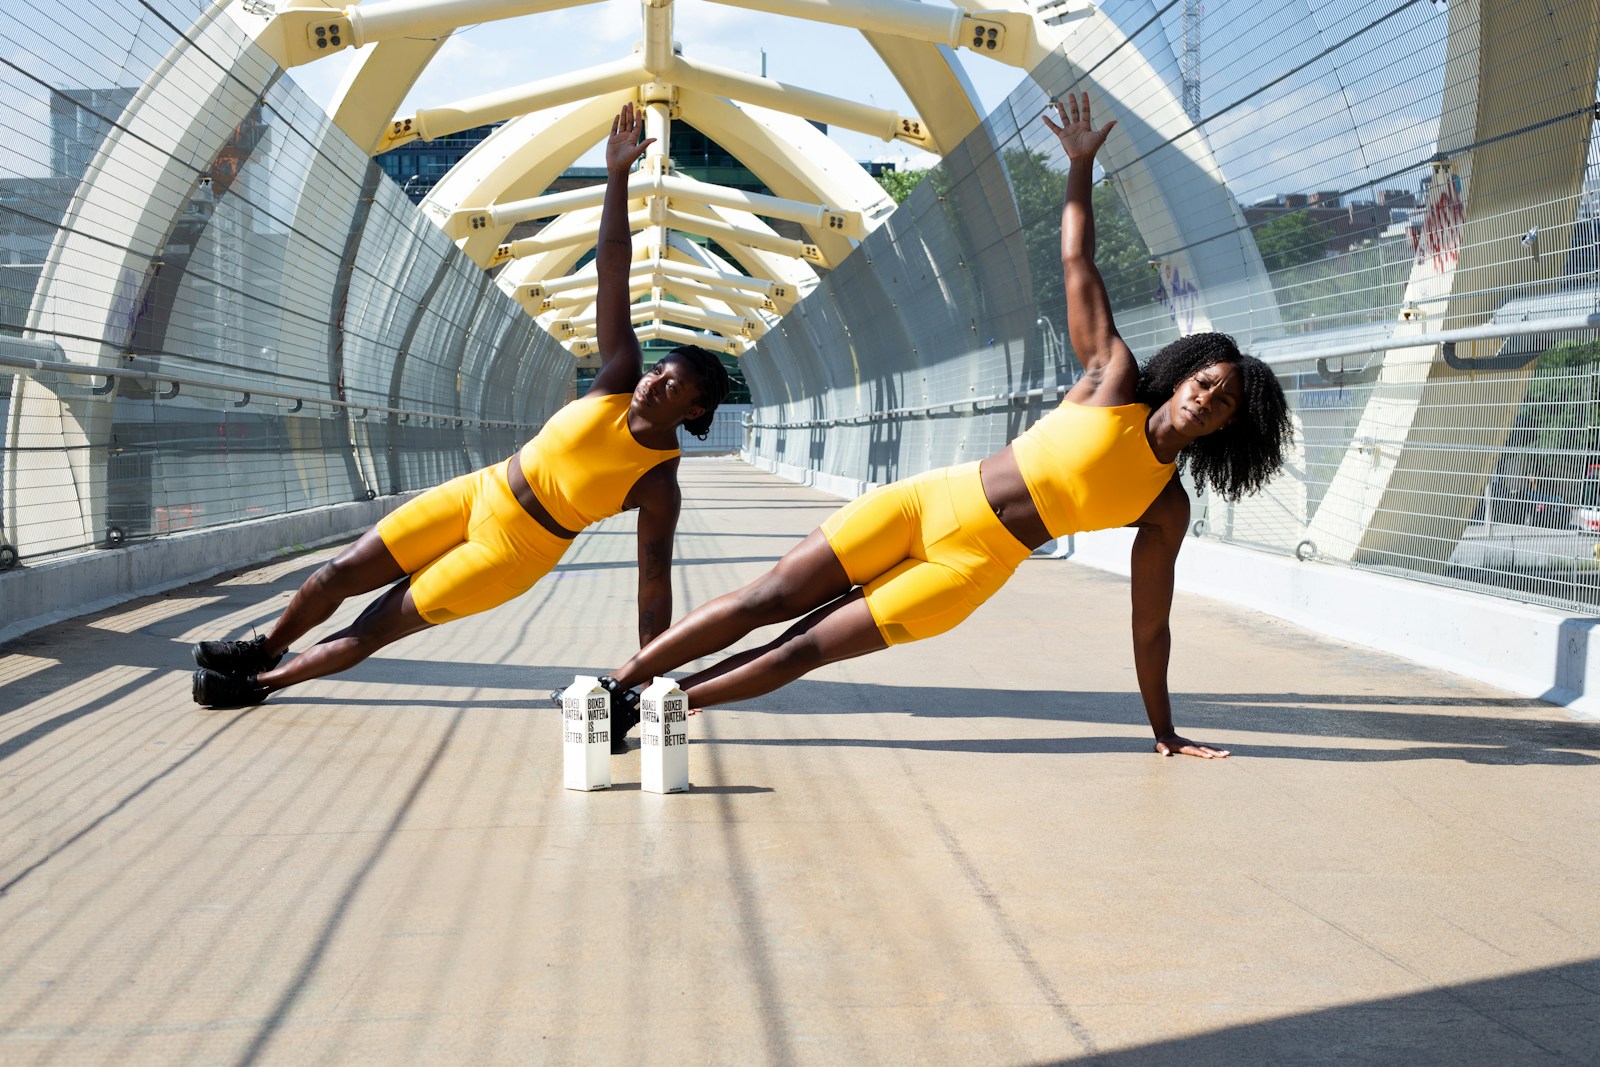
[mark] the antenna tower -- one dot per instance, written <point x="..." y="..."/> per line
<point x="1192" y="10"/>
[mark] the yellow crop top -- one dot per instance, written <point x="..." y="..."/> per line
<point x="585" y="459"/>
<point x="1090" y="468"/>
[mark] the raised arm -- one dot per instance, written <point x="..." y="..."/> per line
<point x="1110" y="372"/>
<point x="1155" y="556"/>
<point x="621" y="363"/>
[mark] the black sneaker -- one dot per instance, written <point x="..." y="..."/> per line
<point x="624" y="713"/>
<point x="236" y="657"/>
<point x="213" y="689"/>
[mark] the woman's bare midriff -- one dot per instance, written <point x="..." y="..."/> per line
<point x="530" y="503"/>
<point x="1008" y="495"/>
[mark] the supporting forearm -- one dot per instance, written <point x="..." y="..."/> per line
<point x="1151" y="652"/>
<point x="655" y="614"/>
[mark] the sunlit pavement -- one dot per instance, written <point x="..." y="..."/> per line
<point x="958" y="851"/>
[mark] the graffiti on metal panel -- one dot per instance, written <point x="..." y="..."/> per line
<point x="1436" y="236"/>
<point x="1179" y="295"/>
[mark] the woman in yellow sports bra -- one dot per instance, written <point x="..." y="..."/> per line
<point x="912" y="559"/>
<point x="483" y="538"/>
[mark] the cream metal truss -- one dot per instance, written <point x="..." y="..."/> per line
<point x="683" y="291"/>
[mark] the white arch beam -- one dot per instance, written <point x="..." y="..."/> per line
<point x="519" y="160"/>
<point x="577" y="230"/>
<point x="301" y="31"/>
<point x="752" y="234"/>
<point x="1002" y="35"/>
<point x="685" y="289"/>
<point x="937" y="86"/>
<point x="791" y="157"/>
<point x="433" y="122"/>
<point x="715" y="342"/>
<point x="939" y="90"/>
<point x="712" y="342"/>
<point x="813" y="216"/>
<point x="789" y="279"/>
<point x="586" y="278"/>
<point x="795" y="275"/>
<point x="542" y="296"/>
<point x="818" y="171"/>
<point x="666" y="310"/>
<point x="758" y="119"/>
<point x="882" y="123"/>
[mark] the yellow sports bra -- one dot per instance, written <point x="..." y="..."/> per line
<point x="1090" y="468"/>
<point x="583" y="462"/>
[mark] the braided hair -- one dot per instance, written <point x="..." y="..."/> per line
<point x="710" y="381"/>
<point x="1243" y="456"/>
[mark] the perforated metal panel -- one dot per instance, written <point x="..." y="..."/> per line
<point x="285" y="329"/>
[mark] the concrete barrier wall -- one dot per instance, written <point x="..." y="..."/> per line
<point x="45" y="593"/>
<point x="1527" y="649"/>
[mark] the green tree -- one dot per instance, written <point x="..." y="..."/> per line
<point x="899" y="183"/>
<point x="1120" y="253"/>
<point x="1290" y="240"/>
<point x="1358" y="286"/>
<point x="1561" y="409"/>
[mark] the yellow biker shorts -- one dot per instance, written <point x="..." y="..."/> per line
<point x="469" y="546"/>
<point x="929" y="550"/>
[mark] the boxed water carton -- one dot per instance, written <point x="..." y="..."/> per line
<point x="586" y="734"/>
<point x="664" y="738"/>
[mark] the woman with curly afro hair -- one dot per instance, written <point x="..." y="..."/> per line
<point x="912" y="559"/>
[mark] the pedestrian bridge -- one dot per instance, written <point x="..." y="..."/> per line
<point x="229" y="342"/>
<point x="960" y="850"/>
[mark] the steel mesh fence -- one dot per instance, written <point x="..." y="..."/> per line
<point x="1392" y="203"/>
<point x="250" y="321"/>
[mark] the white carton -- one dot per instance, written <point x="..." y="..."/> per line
<point x="586" y="734"/>
<point x="664" y="738"/>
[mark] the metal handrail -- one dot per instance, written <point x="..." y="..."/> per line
<point x="951" y="406"/>
<point x="1393" y="341"/>
<point x="56" y="366"/>
<point x="1438" y="337"/>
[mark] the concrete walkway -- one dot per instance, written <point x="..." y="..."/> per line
<point x="956" y="852"/>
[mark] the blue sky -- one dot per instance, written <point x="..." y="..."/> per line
<point x="1297" y="135"/>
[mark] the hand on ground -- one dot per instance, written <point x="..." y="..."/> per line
<point x="1173" y="745"/>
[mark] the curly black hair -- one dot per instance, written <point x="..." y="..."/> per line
<point x="711" y="382"/>
<point x="1243" y="456"/>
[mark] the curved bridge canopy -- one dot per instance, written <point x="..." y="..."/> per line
<point x="714" y="264"/>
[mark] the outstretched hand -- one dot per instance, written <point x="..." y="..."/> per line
<point x="1173" y="745"/>
<point x="1076" y="133"/>
<point x="624" y="146"/>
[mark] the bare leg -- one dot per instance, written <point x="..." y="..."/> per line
<point x="837" y="631"/>
<point x="806" y="578"/>
<point x="360" y="568"/>
<point x="388" y="618"/>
